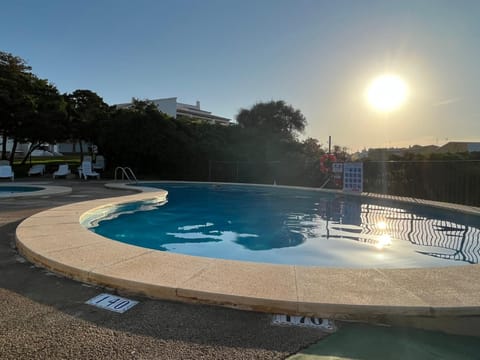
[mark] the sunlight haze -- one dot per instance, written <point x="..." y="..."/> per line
<point x="387" y="93"/>
<point x="318" y="56"/>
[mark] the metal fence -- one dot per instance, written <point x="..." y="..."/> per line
<point x="451" y="181"/>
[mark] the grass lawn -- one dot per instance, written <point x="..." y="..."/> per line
<point x="51" y="163"/>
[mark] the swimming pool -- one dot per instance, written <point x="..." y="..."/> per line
<point x="31" y="190"/>
<point x="292" y="226"/>
<point x="8" y="190"/>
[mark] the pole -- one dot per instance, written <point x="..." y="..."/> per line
<point x="329" y="144"/>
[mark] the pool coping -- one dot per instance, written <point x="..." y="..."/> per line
<point x="47" y="190"/>
<point x="70" y="249"/>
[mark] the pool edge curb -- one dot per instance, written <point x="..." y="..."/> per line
<point x="301" y="302"/>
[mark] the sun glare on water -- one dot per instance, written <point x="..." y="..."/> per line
<point x="387" y="93"/>
<point x="383" y="241"/>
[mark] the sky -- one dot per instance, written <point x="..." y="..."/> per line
<point x="316" y="55"/>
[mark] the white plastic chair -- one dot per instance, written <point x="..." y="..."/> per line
<point x="6" y="172"/>
<point x="37" y="169"/>
<point x="62" y="170"/>
<point x="99" y="163"/>
<point x="87" y="171"/>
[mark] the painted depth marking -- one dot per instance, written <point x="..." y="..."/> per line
<point x="307" y="321"/>
<point x="112" y="303"/>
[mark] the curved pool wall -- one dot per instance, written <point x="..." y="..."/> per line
<point x="282" y="225"/>
<point x="26" y="190"/>
<point x="358" y="294"/>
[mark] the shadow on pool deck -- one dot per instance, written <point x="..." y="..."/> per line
<point x="363" y="342"/>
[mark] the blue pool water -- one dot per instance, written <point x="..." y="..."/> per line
<point x="13" y="189"/>
<point x="293" y="226"/>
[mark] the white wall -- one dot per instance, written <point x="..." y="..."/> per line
<point x="167" y="106"/>
<point x="471" y="147"/>
<point x="70" y="148"/>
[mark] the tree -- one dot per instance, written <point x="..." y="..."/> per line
<point x="45" y="121"/>
<point x="143" y="106"/>
<point x="341" y="153"/>
<point x="312" y="148"/>
<point x="15" y="95"/>
<point x="31" y="109"/>
<point x="85" y="110"/>
<point x="272" y="128"/>
<point x="145" y="139"/>
<point x="274" y="118"/>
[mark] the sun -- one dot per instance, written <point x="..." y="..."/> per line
<point x="387" y="93"/>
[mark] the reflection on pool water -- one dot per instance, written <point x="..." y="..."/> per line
<point x="293" y="226"/>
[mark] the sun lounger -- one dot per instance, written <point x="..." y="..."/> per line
<point x="62" y="170"/>
<point x="6" y="172"/>
<point x="99" y="163"/>
<point x="86" y="170"/>
<point x="37" y="169"/>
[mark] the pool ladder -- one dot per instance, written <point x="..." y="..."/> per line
<point x="126" y="173"/>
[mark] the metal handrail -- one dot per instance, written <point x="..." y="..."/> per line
<point x="326" y="182"/>
<point x="126" y="173"/>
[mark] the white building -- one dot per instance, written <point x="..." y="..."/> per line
<point x="459" y="146"/>
<point x="23" y="148"/>
<point x="171" y="107"/>
<point x="70" y="147"/>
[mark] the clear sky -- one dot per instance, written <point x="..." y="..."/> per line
<point x="317" y="55"/>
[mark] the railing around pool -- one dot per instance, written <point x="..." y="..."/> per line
<point x="126" y="173"/>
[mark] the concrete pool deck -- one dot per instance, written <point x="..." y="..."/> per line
<point x="44" y="316"/>
<point x="54" y="239"/>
